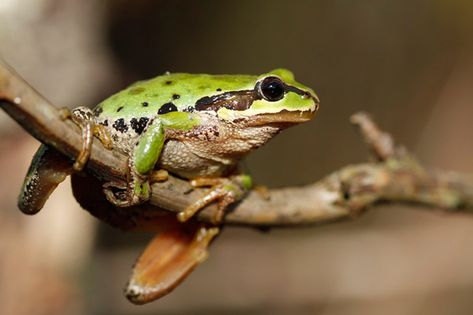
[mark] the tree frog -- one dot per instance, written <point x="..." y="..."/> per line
<point x="195" y="126"/>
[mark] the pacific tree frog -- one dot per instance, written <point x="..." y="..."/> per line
<point x="195" y="126"/>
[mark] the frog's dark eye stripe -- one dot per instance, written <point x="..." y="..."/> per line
<point x="270" y="88"/>
<point x="290" y="88"/>
<point x="239" y="100"/>
<point x="167" y="108"/>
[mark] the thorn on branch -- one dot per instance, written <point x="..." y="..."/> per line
<point x="380" y="143"/>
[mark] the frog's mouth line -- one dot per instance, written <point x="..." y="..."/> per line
<point x="283" y="117"/>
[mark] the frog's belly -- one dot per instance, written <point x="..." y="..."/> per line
<point x="179" y="159"/>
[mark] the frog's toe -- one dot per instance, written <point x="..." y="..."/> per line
<point x="117" y="193"/>
<point x="159" y="176"/>
<point x="121" y="194"/>
<point x="104" y="136"/>
<point x="83" y="117"/>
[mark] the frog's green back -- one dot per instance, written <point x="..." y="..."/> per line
<point x="180" y="89"/>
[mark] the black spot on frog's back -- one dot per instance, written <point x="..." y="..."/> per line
<point x="120" y="125"/>
<point x="167" y="108"/>
<point x="138" y="125"/>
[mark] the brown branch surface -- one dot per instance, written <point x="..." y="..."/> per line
<point x="396" y="176"/>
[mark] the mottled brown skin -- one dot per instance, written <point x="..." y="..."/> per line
<point x="213" y="150"/>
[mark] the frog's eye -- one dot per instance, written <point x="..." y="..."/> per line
<point x="272" y="89"/>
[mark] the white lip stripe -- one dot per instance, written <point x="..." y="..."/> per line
<point x="228" y="114"/>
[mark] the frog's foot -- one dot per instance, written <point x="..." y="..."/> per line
<point x="104" y="136"/>
<point x="116" y="193"/>
<point x="121" y="194"/>
<point x="224" y="190"/>
<point x="167" y="260"/>
<point x="84" y="118"/>
<point x="130" y="193"/>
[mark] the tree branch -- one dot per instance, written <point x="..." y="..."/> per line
<point x="395" y="177"/>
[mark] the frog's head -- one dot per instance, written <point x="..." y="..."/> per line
<point x="271" y="98"/>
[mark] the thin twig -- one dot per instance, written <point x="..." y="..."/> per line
<point x="397" y="176"/>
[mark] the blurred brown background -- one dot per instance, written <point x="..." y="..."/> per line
<point x="409" y="63"/>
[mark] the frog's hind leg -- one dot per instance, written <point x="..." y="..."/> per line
<point x="168" y="259"/>
<point x="47" y="170"/>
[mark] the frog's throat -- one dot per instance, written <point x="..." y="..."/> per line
<point x="283" y="117"/>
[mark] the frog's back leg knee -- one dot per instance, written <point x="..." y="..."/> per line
<point x="47" y="170"/>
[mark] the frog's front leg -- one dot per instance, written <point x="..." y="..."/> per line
<point x="84" y="118"/>
<point x="223" y="190"/>
<point x="144" y="157"/>
<point x="47" y="170"/>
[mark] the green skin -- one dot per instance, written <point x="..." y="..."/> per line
<point x="158" y="124"/>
